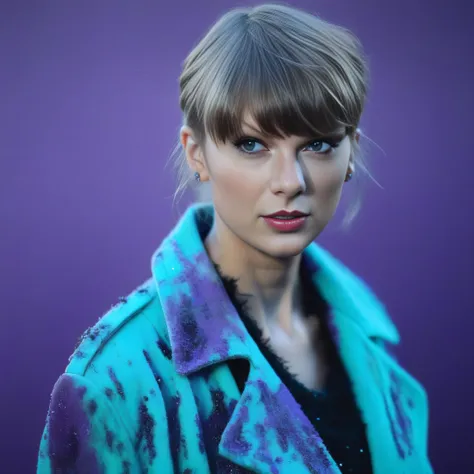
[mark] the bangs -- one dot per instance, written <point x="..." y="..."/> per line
<point x="282" y="97"/>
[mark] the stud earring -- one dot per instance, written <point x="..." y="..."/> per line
<point x="197" y="176"/>
<point x="348" y="176"/>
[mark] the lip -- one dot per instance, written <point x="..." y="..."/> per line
<point x="286" y="221"/>
<point x="284" y="213"/>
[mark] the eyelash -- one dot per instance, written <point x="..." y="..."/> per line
<point x="333" y="143"/>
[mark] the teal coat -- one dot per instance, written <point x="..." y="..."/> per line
<point x="149" y="390"/>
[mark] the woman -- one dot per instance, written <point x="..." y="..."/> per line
<point x="251" y="349"/>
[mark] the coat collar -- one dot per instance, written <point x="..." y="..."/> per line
<point x="205" y="329"/>
<point x="204" y="326"/>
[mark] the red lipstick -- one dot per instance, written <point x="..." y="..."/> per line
<point x="286" y="221"/>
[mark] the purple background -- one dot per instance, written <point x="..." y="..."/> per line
<point x="89" y="115"/>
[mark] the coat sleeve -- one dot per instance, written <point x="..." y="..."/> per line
<point x="83" y="433"/>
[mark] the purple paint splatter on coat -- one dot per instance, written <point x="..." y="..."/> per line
<point x="292" y="427"/>
<point x="92" y="407"/>
<point x="264" y="453"/>
<point x="213" y="426"/>
<point x="197" y="420"/>
<point x="165" y="350"/>
<point x="69" y="430"/>
<point x="173" y="403"/>
<point x="403" y="421"/>
<point x="236" y="443"/>
<point x="146" y="431"/>
<point x="333" y="331"/>
<point x="400" y="425"/>
<point x="109" y="437"/>
<point x="117" y="383"/>
<point x="203" y="316"/>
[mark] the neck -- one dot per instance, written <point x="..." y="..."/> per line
<point x="273" y="284"/>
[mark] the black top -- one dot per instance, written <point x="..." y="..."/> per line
<point x="333" y="412"/>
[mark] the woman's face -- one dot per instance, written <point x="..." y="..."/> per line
<point x="257" y="179"/>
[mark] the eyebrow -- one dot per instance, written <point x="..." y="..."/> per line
<point x="338" y="133"/>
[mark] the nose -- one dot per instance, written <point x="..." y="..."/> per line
<point x="288" y="177"/>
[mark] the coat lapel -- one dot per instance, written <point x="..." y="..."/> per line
<point x="268" y="432"/>
<point x="204" y="327"/>
<point x="392" y="403"/>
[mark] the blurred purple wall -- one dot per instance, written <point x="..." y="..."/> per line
<point x="88" y="116"/>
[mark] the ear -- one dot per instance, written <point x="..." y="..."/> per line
<point x="357" y="135"/>
<point x="194" y="153"/>
<point x="350" y="166"/>
<point x="356" y="138"/>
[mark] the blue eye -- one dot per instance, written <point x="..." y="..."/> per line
<point x="249" y="145"/>
<point x="320" y="146"/>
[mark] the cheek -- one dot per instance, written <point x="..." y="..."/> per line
<point x="232" y="182"/>
<point x="327" y="180"/>
<point x="328" y="176"/>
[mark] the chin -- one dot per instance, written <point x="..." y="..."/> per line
<point x="287" y="245"/>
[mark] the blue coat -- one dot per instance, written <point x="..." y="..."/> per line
<point x="149" y="390"/>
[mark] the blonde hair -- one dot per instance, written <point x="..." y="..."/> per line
<point x="294" y="73"/>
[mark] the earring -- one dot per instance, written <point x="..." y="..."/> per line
<point x="197" y="176"/>
<point x="348" y="176"/>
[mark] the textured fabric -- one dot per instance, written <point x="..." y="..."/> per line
<point x="149" y="389"/>
<point x="333" y="411"/>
